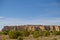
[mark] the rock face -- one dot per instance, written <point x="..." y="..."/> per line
<point x="42" y="27"/>
<point x="57" y="28"/>
<point x="52" y="28"/>
<point x="32" y="27"/>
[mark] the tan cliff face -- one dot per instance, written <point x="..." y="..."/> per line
<point x="57" y="28"/>
<point x="42" y="27"/>
<point x="52" y="28"/>
<point x="29" y="27"/>
<point x="32" y="27"/>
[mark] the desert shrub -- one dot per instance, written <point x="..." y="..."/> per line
<point x="36" y="34"/>
<point x="54" y="39"/>
<point x="5" y="32"/>
<point x="31" y="32"/>
<point x="19" y="38"/>
<point x="14" y="34"/>
<point x="0" y="33"/>
<point x="51" y="31"/>
<point x="25" y="33"/>
<point x="45" y="33"/>
<point x="40" y="32"/>
<point x="56" y="33"/>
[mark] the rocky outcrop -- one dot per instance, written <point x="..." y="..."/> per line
<point x="32" y="27"/>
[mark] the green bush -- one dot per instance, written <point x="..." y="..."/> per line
<point x="14" y="34"/>
<point x="40" y="32"/>
<point x="45" y="33"/>
<point x="19" y="38"/>
<point x="56" y="32"/>
<point x="5" y="32"/>
<point x="54" y="39"/>
<point x="0" y="33"/>
<point x="36" y="34"/>
<point x="31" y="32"/>
<point x="25" y="33"/>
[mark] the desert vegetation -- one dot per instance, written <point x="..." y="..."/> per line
<point x="27" y="35"/>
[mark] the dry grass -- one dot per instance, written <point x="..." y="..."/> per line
<point x="30" y="38"/>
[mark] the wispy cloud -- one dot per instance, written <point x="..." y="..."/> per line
<point x="15" y="21"/>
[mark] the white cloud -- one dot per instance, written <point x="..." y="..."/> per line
<point x="15" y="21"/>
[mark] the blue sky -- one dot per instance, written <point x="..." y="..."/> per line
<point x="20" y="12"/>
